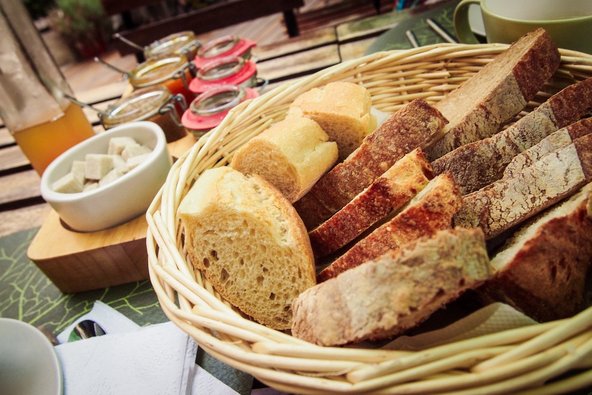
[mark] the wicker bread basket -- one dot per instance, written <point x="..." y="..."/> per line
<point x="505" y="362"/>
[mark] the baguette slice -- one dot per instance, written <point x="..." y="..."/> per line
<point x="409" y="128"/>
<point x="248" y="241"/>
<point x="509" y="201"/>
<point x="291" y="155"/>
<point x="430" y="211"/>
<point x="343" y="111"/>
<point x="554" y="141"/>
<point x="542" y="269"/>
<point x="394" y="292"/>
<point x="480" y="163"/>
<point x="386" y="194"/>
<point x="500" y="90"/>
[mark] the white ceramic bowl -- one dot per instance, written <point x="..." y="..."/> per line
<point x="120" y="200"/>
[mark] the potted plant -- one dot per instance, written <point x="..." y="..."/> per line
<point x="83" y="23"/>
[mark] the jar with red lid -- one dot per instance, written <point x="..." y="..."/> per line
<point x="223" y="47"/>
<point x="209" y="109"/>
<point x="173" y="72"/>
<point x="182" y="43"/>
<point x="155" y="104"/>
<point x="224" y="71"/>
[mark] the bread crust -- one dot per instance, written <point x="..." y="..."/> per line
<point x="546" y="277"/>
<point x="509" y="201"/>
<point x="386" y="194"/>
<point x="407" y="129"/>
<point x="394" y="292"/>
<point x="493" y="97"/>
<point x="430" y="211"/>
<point x="480" y="163"/>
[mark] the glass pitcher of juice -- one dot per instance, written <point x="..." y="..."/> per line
<point x="33" y="92"/>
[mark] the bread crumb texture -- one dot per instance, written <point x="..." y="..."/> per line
<point x="248" y="241"/>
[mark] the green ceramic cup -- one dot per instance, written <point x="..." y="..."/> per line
<point x="569" y="22"/>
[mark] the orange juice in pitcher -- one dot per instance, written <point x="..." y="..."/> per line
<point x="44" y="142"/>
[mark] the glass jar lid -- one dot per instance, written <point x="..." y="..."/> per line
<point x="140" y="105"/>
<point x="217" y="100"/>
<point x="156" y="70"/>
<point x="182" y="43"/>
<point x="218" y="47"/>
<point x="221" y="68"/>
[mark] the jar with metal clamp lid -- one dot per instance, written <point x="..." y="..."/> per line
<point x="155" y="104"/>
<point x="182" y="43"/>
<point x="223" y="47"/>
<point x="225" y="71"/>
<point x="209" y="109"/>
<point x="173" y="72"/>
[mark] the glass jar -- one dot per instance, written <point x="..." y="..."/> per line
<point x="173" y="72"/>
<point x="182" y="43"/>
<point x="33" y="92"/>
<point x="225" y="71"/>
<point x="155" y="104"/>
<point x="209" y="109"/>
<point x="224" y="47"/>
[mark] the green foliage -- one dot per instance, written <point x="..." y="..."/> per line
<point x="80" y="19"/>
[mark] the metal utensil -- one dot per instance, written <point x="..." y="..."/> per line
<point x="439" y="30"/>
<point x="86" y="329"/>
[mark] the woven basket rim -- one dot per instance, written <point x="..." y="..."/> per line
<point x="290" y="364"/>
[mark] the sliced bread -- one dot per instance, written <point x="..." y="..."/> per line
<point x="393" y="292"/>
<point x="552" y="142"/>
<point x="291" y="155"/>
<point x="430" y="211"/>
<point x="386" y="194"/>
<point x="480" y="163"/>
<point x="480" y="106"/>
<point x="247" y="240"/>
<point x="409" y="128"/>
<point x="542" y="270"/>
<point x="343" y="111"/>
<point x="510" y="201"/>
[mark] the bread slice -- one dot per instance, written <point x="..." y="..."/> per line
<point x="480" y="163"/>
<point x="480" y="106"/>
<point x="343" y="111"/>
<point x="386" y="194"/>
<point x="291" y="155"/>
<point x="409" y="128"/>
<point x="393" y="292"/>
<point x="430" y="211"/>
<point x="510" y="201"/>
<point x="247" y="240"/>
<point x="561" y="138"/>
<point x="542" y="270"/>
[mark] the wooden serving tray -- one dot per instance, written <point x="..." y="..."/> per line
<point x="76" y="261"/>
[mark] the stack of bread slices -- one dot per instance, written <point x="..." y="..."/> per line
<point x="343" y="231"/>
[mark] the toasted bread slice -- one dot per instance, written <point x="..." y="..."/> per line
<point x="388" y="193"/>
<point x="480" y="106"/>
<point x="393" y="292"/>
<point x="542" y="270"/>
<point x="409" y="128"/>
<point x="481" y="163"/>
<point x="430" y="211"/>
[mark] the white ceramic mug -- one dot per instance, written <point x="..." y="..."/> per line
<point x="569" y="22"/>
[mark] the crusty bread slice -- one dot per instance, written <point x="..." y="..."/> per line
<point x="430" y="211"/>
<point x="552" y="142"/>
<point x="480" y="106"/>
<point x="510" y="201"/>
<point x="248" y="241"/>
<point x="343" y="111"/>
<point x="480" y="163"/>
<point x="291" y="155"/>
<point x="394" y="292"/>
<point x="409" y="128"/>
<point x="542" y="270"/>
<point x="386" y="194"/>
